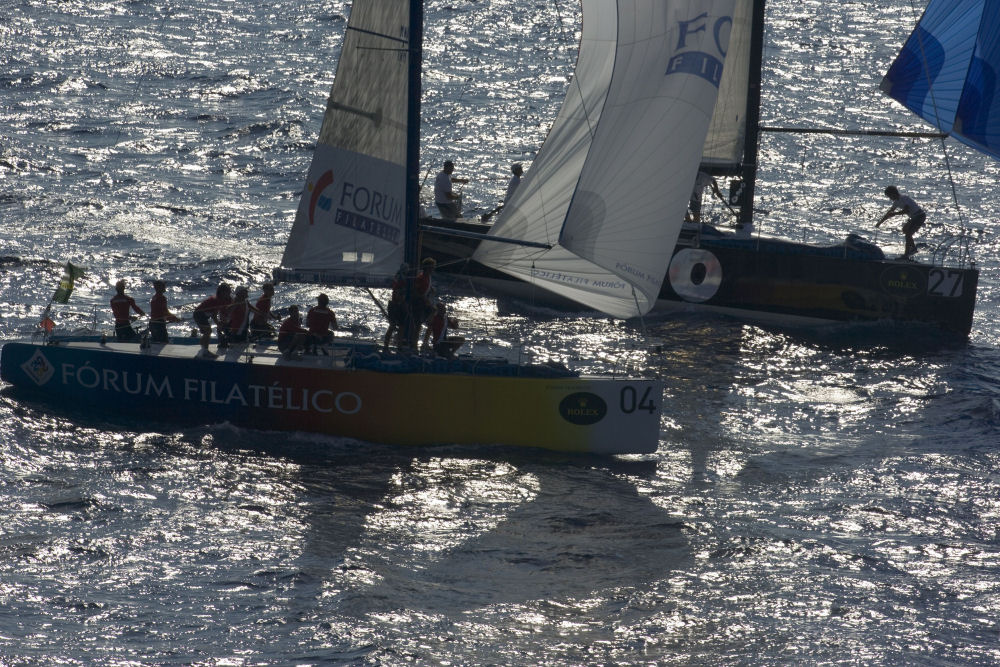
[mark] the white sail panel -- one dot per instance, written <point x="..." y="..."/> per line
<point x="611" y="182"/>
<point x="727" y="131"/>
<point x="349" y="227"/>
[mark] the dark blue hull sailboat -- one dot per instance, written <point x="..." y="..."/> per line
<point x="946" y="73"/>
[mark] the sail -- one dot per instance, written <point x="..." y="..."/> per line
<point x="350" y="223"/>
<point x="946" y="72"/>
<point x="723" y="152"/>
<point x="610" y="185"/>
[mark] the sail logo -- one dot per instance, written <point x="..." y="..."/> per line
<point x="688" y="60"/>
<point x="38" y="368"/>
<point x="904" y="282"/>
<point x="637" y="273"/>
<point x="318" y="200"/>
<point x="369" y="211"/>
<point x="359" y="208"/>
<point x="583" y="408"/>
<point x="695" y="274"/>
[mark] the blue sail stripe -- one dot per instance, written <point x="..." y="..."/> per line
<point x="947" y="71"/>
<point x="978" y="117"/>
<point x="909" y="83"/>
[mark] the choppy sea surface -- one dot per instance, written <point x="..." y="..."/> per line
<point x="822" y="497"/>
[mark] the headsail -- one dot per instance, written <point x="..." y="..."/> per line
<point x="947" y="71"/>
<point x="724" y="144"/>
<point x="611" y="183"/>
<point x="350" y="224"/>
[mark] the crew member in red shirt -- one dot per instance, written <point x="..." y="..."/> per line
<point x="159" y="314"/>
<point x="260" y="325"/>
<point x="321" y="322"/>
<point x="438" y="329"/>
<point x="122" y="306"/>
<point x="238" y="325"/>
<point x="421" y="301"/>
<point x="396" y="310"/>
<point x="213" y="309"/>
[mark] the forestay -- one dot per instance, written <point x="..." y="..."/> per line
<point x="349" y="227"/>
<point x="947" y="71"/>
<point x="611" y="183"/>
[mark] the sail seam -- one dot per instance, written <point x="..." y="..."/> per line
<point x="378" y="34"/>
<point x="937" y="113"/>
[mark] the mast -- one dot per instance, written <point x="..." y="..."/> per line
<point x="752" y="138"/>
<point x="414" y="54"/>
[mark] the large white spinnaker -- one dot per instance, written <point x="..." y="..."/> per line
<point x="611" y="183"/>
<point x="349" y="227"/>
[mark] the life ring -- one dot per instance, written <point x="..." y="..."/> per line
<point x="695" y="274"/>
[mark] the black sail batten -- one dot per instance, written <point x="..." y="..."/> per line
<point x="403" y="42"/>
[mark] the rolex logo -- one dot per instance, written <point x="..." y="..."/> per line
<point x="583" y="408"/>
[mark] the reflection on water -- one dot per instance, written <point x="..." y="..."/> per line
<point x="816" y="497"/>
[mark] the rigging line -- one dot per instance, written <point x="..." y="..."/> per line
<point x="138" y="79"/>
<point x="454" y="262"/>
<point x="851" y="133"/>
<point x="642" y="322"/>
<point x="937" y="116"/>
<point x="467" y="80"/>
<point x="574" y="83"/>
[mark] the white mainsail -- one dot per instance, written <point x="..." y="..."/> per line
<point x="610" y="185"/>
<point x="349" y="227"/>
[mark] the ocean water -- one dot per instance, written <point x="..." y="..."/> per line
<point x="817" y="497"/>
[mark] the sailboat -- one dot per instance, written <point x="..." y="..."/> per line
<point x="944" y="74"/>
<point x="355" y="225"/>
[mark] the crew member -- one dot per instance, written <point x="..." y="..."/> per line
<point x="122" y="306"/>
<point x="213" y="309"/>
<point x="291" y="334"/>
<point x="915" y="217"/>
<point x="448" y="202"/>
<point x="321" y="322"/>
<point x="159" y="314"/>
<point x="443" y="344"/>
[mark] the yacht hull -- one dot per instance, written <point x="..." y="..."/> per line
<point x="352" y="394"/>
<point x="771" y="282"/>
